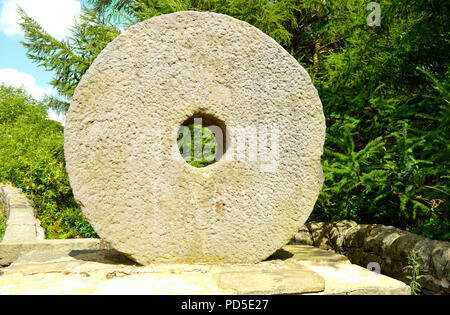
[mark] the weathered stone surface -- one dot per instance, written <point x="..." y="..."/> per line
<point x="341" y="276"/>
<point x="330" y="235"/>
<point x="281" y="278"/>
<point x="349" y="279"/>
<point x="302" y="237"/>
<point x="389" y="247"/>
<point x="121" y="141"/>
<point x="11" y="251"/>
<point x="339" y="232"/>
<point x="308" y="270"/>
<point x="319" y="234"/>
<point x="310" y="255"/>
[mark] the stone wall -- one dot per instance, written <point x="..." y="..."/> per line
<point x="21" y="223"/>
<point x="385" y="245"/>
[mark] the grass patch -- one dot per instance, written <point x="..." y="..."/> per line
<point x="2" y="222"/>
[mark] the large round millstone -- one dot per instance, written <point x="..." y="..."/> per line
<point x="121" y="150"/>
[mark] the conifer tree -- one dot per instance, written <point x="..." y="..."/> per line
<point x="384" y="91"/>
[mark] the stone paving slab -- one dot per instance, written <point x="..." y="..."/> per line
<point x="11" y="251"/>
<point x="21" y="223"/>
<point x="310" y="254"/>
<point x="86" y="277"/>
<point x="349" y="279"/>
<point x="341" y="276"/>
<point x="21" y="216"/>
<point x="19" y="232"/>
<point x="297" y="270"/>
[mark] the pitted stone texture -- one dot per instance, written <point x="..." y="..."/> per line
<point x="388" y="246"/>
<point x="121" y="141"/>
<point x="309" y="270"/>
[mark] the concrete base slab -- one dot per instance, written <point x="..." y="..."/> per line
<point x="10" y="251"/>
<point x="341" y="276"/>
<point x="74" y="276"/>
<point x="292" y="270"/>
<point x="349" y="279"/>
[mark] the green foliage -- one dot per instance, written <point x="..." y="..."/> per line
<point x="32" y="158"/>
<point x="385" y="93"/>
<point x="2" y="222"/>
<point x="383" y="182"/>
<point x="201" y="143"/>
<point x="69" y="58"/>
<point x="414" y="268"/>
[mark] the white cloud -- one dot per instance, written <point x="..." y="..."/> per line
<point x="12" y="77"/>
<point x="17" y="79"/>
<point x="55" y="16"/>
<point x="58" y="117"/>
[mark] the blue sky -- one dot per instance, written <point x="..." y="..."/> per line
<point x="55" y="16"/>
<point x="12" y="55"/>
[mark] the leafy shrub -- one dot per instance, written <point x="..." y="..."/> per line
<point x="2" y="222"/>
<point x="201" y="143"/>
<point x="414" y="269"/>
<point x="32" y="158"/>
<point x="399" y="178"/>
<point x="384" y="92"/>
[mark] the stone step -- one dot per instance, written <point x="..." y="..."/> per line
<point x="58" y="269"/>
<point x="21" y="223"/>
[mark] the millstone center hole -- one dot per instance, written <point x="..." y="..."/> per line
<point x="201" y="140"/>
